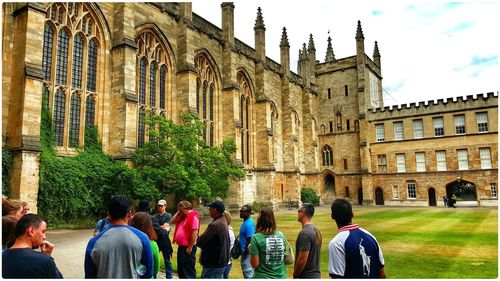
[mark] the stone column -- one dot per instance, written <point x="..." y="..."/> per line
<point x="124" y="111"/>
<point x="186" y="72"/>
<point x="25" y="102"/>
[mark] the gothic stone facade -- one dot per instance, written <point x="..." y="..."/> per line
<point x="106" y="63"/>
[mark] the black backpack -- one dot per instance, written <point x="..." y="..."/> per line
<point x="236" y="250"/>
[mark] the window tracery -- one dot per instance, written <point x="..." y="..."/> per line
<point x="70" y="50"/>
<point x="152" y="78"/>
<point x="327" y="156"/>
<point x="245" y="117"/>
<point x="206" y="97"/>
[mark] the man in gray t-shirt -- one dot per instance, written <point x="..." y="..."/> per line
<point x="308" y="246"/>
<point x="120" y="251"/>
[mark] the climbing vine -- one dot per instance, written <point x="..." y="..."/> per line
<point x="76" y="187"/>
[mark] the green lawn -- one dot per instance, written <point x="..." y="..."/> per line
<point x="416" y="242"/>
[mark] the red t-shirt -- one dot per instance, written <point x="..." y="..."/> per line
<point x="184" y="228"/>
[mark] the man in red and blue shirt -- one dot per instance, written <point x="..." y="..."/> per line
<point x="354" y="252"/>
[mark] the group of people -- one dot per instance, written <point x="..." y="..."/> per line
<point x="127" y="244"/>
<point x="12" y="211"/>
<point x="24" y="243"/>
<point x="450" y="201"/>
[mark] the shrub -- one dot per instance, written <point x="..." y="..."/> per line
<point x="257" y="206"/>
<point x="308" y="195"/>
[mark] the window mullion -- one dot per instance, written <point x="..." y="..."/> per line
<point x="67" y="107"/>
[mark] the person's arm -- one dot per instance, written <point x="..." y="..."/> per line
<point x="194" y="235"/>
<point x="300" y="263"/>
<point x="89" y="267"/>
<point x="195" y="226"/>
<point x="336" y="258"/>
<point x="207" y="236"/>
<point x="156" y="257"/>
<point x="247" y="248"/>
<point x="254" y="253"/>
<point x="98" y="227"/>
<point x="254" y="261"/>
<point x="381" y="273"/>
<point x="147" y="258"/>
<point x="177" y="217"/>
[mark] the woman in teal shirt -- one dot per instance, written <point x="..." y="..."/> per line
<point x="142" y="221"/>
<point x="267" y="249"/>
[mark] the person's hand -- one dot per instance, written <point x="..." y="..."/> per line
<point x="166" y="226"/>
<point x="46" y="247"/>
<point x="189" y="250"/>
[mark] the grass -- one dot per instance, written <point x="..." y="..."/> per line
<point x="416" y="242"/>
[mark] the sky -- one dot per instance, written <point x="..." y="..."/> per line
<point x="429" y="49"/>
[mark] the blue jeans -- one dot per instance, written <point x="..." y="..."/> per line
<point x="226" y="270"/>
<point x="185" y="263"/>
<point x="168" y="265"/>
<point x="246" y="267"/>
<point x="212" y="273"/>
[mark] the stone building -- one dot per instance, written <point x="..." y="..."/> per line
<point x="107" y="63"/>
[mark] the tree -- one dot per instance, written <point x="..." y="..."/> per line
<point x="178" y="161"/>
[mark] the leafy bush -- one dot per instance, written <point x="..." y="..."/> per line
<point x="308" y="195"/>
<point x="257" y="206"/>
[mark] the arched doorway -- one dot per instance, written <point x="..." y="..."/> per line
<point x="360" y="196"/>
<point x="379" y="196"/>
<point x="432" y="196"/>
<point x="329" y="183"/>
<point x="461" y="191"/>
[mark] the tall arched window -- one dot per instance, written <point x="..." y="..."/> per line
<point x="92" y="65"/>
<point x="274" y="116"/>
<point x="327" y="156"/>
<point x="59" y="115"/>
<point x="273" y="120"/>
<point x="246" y="117"/>
<point x="142" y="127"/>
<point x="77" y="62"/>
<point x="152" y="85"/>
<point x="74" y="120"/>
<point x="48" y="42"/>
<point x="206" y="97"/>
<point x="152" y="70"/>
<point x="163" y="84"/>
<point x="72" y="42"/>
<point x="62" y="57"/>
<point x="90" y="111"/>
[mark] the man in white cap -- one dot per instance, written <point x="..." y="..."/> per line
<point x="163" y="218"/>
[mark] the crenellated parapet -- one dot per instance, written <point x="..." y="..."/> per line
<point x="435" y="106"/>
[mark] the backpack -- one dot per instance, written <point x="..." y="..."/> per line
<point x="236" y="250"/>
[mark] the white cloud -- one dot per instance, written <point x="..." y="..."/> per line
<point x="426" y="48"/>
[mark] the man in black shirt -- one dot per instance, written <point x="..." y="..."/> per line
<point x="214" y="244"/>
<point x="21" y="260"/>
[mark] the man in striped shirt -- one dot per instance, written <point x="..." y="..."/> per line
<point x="354" y="252"/>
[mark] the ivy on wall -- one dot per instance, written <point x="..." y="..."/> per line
<point x="76" y="187"/>
<point x="6" y="169"/>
